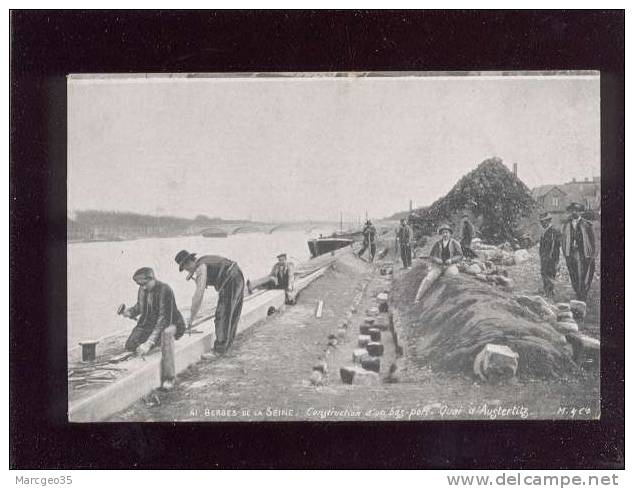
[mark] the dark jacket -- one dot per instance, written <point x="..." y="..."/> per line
<point x="455" y="251"/>
<point x="157" y="309"/>
<point x="467" y="233"/>
<point x="587" y="234"/>
<point x="369" y="234"/>
<point x="405" y="234"/>
<point x="549" y="245"/>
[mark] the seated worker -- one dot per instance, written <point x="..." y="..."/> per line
<point x="282" y="276"/>
<point x="444" y="255"/>
<point x="159" y="321"/>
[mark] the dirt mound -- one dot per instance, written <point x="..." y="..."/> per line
<point x="495" y="197"/>
<point x="459" y="316"/>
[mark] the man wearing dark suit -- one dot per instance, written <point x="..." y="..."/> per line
<point x="549" y="245"/>
<point x="579" y="250"/>
<point x="467" y="236"/>
<point x="405" y="236"/>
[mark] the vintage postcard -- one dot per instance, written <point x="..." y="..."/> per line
<point x="334" y="246"/>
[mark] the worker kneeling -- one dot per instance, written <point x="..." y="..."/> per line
<point x="444" y="255"/>
<point x="282" y="276"/>
<point x="160" y="322"/>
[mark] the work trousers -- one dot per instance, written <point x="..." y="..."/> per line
<point x="140" y="335"/>
<point x="581" y="271"/>
<point x="372" y="250"/>
<point x="434" y="274"/>
<point x="406" y="254"/>
<point x="228" y="310"/>
<point x="549" y="272"/>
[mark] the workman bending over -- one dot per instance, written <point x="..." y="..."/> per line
<point x="225" y="275"/>
<point x="159" y="321"/>
<point x="282" y="276"/>
<point x="444" y="255"/>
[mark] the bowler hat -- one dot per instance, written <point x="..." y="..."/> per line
<point x="182" y="257"/>
<point x="545" y="216"/>
<point x="445" y="226"/>
<point x="575" y="206"/>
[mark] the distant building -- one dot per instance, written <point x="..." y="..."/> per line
<point x="555" y="198"/>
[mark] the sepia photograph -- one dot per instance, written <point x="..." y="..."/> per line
<point x="334" y="246"/>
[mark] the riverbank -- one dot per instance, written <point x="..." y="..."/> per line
<point x="267" y="374"/>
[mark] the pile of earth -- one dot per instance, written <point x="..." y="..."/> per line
<point x="499" y="203"/>
<point x="460" y="315"/>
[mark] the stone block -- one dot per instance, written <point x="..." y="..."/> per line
<point x="375" y="334"/>
<point x="382" y="326"/>
<point x="347" y="374"/>
<point x="375" y="349"/>
<point x="563" y="307"/>
<point x="382" y="297"/>
<point x="564" y="315"/>
<point x="578" y="309"/>
<point x="586" y="350"/>
<point x="369" y="321"/>
<point x="317" y="378"/>
<point x="365" y="329"/>
<point x="371" y="363"/>
<point x="372" y="311"/>
<point x="358" y="354"/>
<point x="566" y="327"/>
<point x="364" y="339"/>
<point x="495" y="363"/>
<point x="520" y="256"/>
<point x="365" y="377"/>
<point x="384" y="307"/>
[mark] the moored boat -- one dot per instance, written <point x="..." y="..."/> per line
<point x="319" y="246"/>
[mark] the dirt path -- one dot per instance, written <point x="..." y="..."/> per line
<point x="266" y="375"/>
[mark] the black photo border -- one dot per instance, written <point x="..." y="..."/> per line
<point x="48" y="45"/>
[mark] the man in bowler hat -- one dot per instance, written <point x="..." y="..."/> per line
<point x="226" y="277"/>
<point x="578" y="245"/>
<point x="549" y="245"/>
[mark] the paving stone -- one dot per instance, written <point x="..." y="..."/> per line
<point x="364" y="339"/>
<point x="370" y="321"/>
<point x="564" y="315"/>
<point x="375" y="349"/>
<point x="563" y="307"/>
<point x="371" y="363"/>
<point x="382" y="297"/>
<point x="358" y="354"/>
<point x="495" y="363"/>
<point x="375" y="334"/>
<point x="365" y="329"/>
<point x="566" y="327"/>
<point x="365" y="377"/>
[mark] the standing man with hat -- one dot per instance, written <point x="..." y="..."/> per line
<point x="444" y="255"/>
<point x="160" y="322"/>
<point x="405" y="236"/>
<point x="467" y="237"/>
<point x="579" y="250"/>
<point x="549" y="245"/>
<point x="369" y="240"/>
<point x="282" y="276"/>
<point x="226" y="277"/>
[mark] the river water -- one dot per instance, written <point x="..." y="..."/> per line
<point x="100" y="273"/>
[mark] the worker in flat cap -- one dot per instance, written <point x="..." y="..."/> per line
<point x="579" y="247"/>
<point x="444" y="256"/>
<point x="549" y="245"/>
<point x="369" y="240"/>
<point x="159" y="322"/>
<point x="282" y="276"/>
<point x="226" y="277"/>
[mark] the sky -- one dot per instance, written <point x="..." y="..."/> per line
<point x="310" y="148"/>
